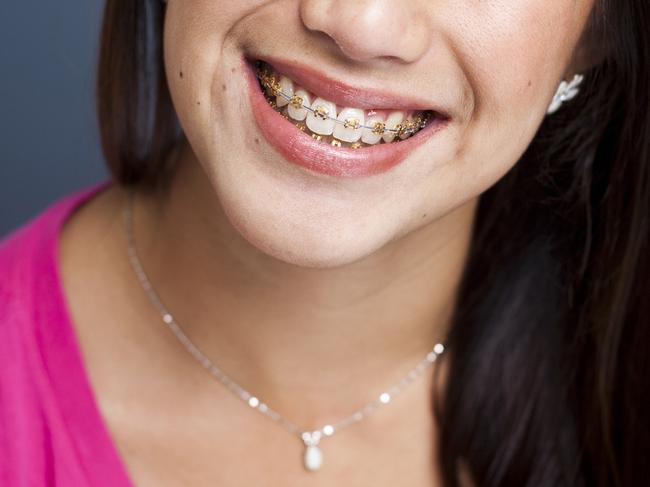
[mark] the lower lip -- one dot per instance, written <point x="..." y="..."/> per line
<point x="300" y="149"/>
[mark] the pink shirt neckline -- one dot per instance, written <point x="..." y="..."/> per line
<point x="71" y="390"/>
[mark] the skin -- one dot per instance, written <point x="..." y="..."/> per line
<point x="313" y="293"/>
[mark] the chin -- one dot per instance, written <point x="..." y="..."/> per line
<point x="303" y="244"/>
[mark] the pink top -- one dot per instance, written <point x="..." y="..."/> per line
<point x="51" y="430"/>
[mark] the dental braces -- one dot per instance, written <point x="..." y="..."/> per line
<point x="401" y="131"/>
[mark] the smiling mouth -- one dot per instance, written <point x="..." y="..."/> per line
<point x="338" y="126"/>
<point x="327" y="126"/>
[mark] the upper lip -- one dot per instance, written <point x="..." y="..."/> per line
<point x="343" y="94"/>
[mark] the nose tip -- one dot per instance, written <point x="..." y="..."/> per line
<point x="365" y="30"/>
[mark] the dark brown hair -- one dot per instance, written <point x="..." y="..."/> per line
<point x="551" y="339"/>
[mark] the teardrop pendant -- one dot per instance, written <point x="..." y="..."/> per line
<point x="313" y="458"/>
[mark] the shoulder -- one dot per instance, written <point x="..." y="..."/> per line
<point x="29" y="294"/>
<point x="28" y="254"/>
<point x="29" y="266"/>
<point x="23" y="253"/>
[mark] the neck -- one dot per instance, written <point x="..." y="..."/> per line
<point x="286" y="332"/>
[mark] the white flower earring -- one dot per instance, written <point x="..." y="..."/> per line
<point x="565" y="92"/>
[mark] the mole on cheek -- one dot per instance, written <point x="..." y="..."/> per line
<point x="181" y="74"/>
<point x="223" y="87"/>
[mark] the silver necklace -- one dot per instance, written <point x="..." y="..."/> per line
<point x="313" y="456"/>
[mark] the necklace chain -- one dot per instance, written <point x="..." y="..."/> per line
<point x="310" y="438"/>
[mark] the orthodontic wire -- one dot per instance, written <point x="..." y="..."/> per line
<point x="396" y="131"/>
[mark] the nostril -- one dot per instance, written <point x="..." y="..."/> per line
<point x="365" y="30"/>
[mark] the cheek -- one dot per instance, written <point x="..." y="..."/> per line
<point x="195" y="38"/>
<point x="515" y="51"/>
<point x="513" y="54"/>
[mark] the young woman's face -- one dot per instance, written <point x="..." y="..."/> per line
<point x="478" y="75"/>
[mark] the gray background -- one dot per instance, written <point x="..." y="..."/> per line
<point x="49" y="145"/>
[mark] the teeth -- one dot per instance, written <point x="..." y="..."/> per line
<point x="286" y="86"/>
<point x="319" y="120"/>
<point x="268" y="87"/>
<point x="392" y="122"/>
<point x="350" y="127"/>
<point x="373" y="136"/>
<point x="350" y="130"/>
<point x="409" y="126"/>
<point x="296" y="109"/>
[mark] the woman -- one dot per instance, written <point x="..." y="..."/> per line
<point x="345" y="243"/>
